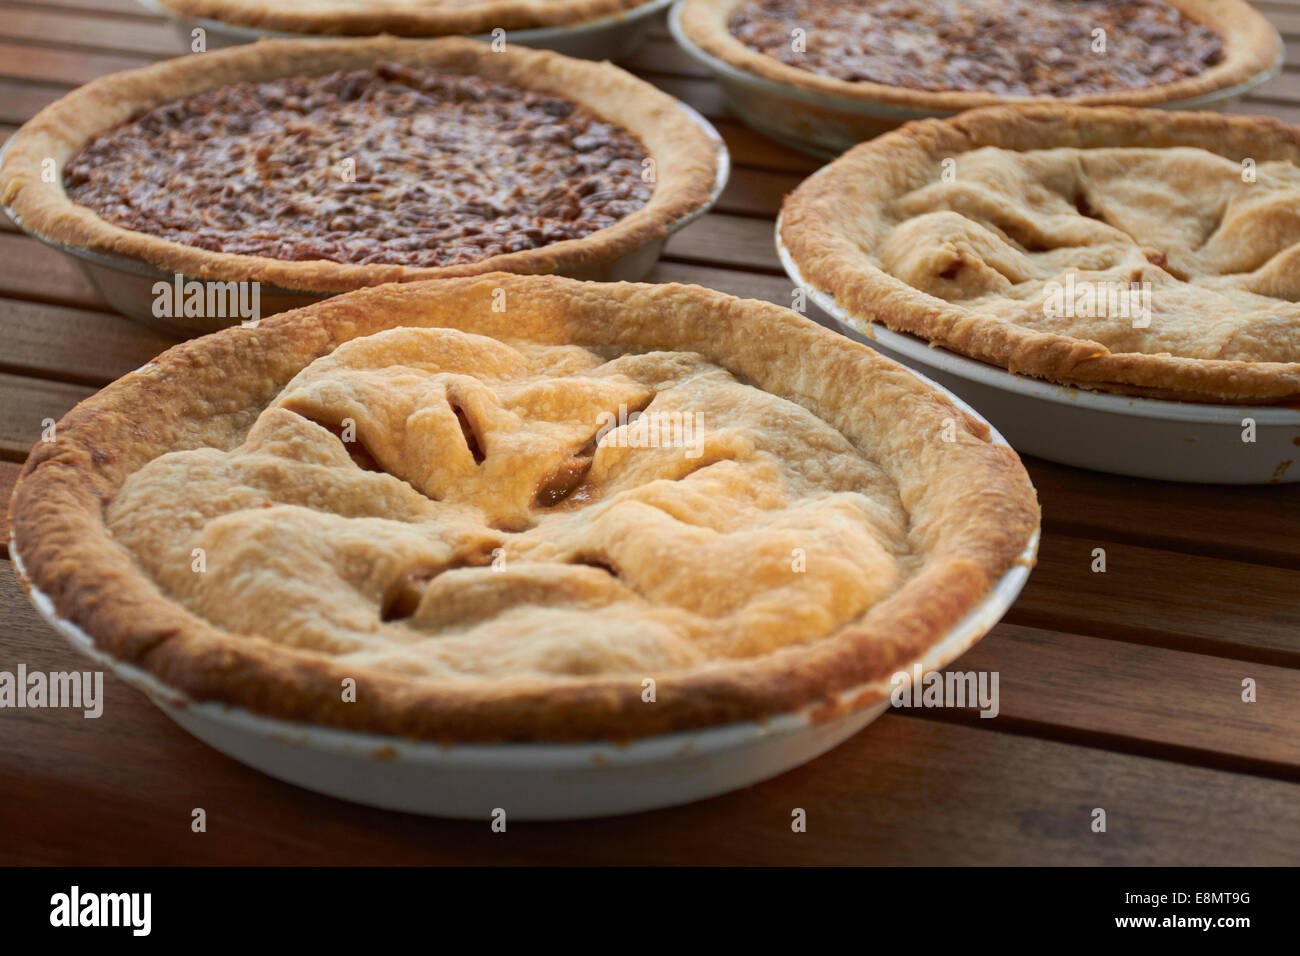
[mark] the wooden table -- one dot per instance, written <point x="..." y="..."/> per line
<point x="1119" y="690"/>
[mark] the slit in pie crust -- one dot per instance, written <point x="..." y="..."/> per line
<point x="603" y="485"/>
<point x="1144" y="252"/>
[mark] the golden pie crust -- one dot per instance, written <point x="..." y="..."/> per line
<point x="475" y="558"/>
<point x="412" y="18"/>
<point x="1251" y="47"/>
<point x="962" y="231"/>
<point x="685" y="158"/>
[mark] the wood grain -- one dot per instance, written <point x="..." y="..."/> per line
<point x="1255" y="523"/>
<point x="21" y="99"/>
<point x="1141" y="699"/>
<point x="720" y="239"/>
<point x="1119" y="690"/>
<point x="67" y="67"/>
<point x="1209" y="605"/>
<point x="153" y="39"/>
<point x="75" y="345"/>
<point x="110" y="8"/>
<point x="28" y="402"/>
<point x="905" y="790"/>
<point x="31" y="270"/>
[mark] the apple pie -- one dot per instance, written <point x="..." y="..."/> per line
<point x="521" y="508"/>
<point x="1143" y="252"/>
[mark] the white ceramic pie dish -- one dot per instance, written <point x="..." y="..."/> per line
<point x="825" y="126"/>
<point x="1142" y="437"/>
<point x="608" y="38"/>
<point x="536" y="781"/>
<point x="127" y="283"/>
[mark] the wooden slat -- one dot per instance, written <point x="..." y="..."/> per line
<point x="1270" y="7"/>
<point x="53" y="27"/>
<point x="21" y="100"/>
<point x="1285" y="86"/>
<point x="1153" y="699"/>
<point x="68" y="67"/>
<point x="121" y="8"/>
<point x="746" y="285"/>
<point x="1286" y="112"/>
<point x="750" y="148"/>
<point x="75" y="345"/>
<point x="1287" y="20"/>
<point x="1169" y="599"/>
<point x="704" y="95"/>
<point x="1243" y="522"/>
<point x="27" y="402"/>
<point x="906" y="790"/>
<point x="718" y="239"/>
<point x="910" y="792"/>
<point x="30" y="270"/>
<point x="756" y="192"/>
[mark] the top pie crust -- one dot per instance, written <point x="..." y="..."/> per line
<point x="413" y="18"/>
<point x="482" y="559"/>
<point x="1251" y="46"/>
<point x="1047" y="203"/>
<point x="685" y="159"/>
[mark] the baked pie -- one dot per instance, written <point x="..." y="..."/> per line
<point x="1144" y="252"/>
<point x="399" y="17"/>
<point x="502" y="520"/>
<point x="325" y="165"/>
<point x="950" y="55"/>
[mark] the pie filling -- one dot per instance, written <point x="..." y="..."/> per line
<point x="434" y="503"/>
<point x="1158" y="251"/>
<point x="1009" y="47"/>
<point x="392" y="165"/>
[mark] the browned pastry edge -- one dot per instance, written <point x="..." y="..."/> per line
<point x="685" y="158"/>
<point x="401" y="19"/>
<point x="972" y="507"/>
<point x="1251" y="46"/>
<point x="816" y="228"/>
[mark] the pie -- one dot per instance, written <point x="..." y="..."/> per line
<point x="400" y="17"/>
<point x="950" y="55"/>
<point x="325" y="165"/>
<point x="1145" y="252"/>
<point x="501" y="521"/>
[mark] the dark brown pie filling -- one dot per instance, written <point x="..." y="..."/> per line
<point x="391" y="165"/>
<point x="1007" y="47"/>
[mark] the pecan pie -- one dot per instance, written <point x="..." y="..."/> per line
<point x="502" y="522"/>
<point x="325" y="165"/>
<point x="449" y="169"/>
<point x="955" y="54"/>
<point x="423" y="18"/>
<point x="1139" y="251"/>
